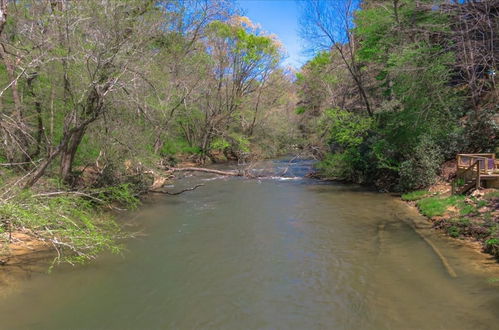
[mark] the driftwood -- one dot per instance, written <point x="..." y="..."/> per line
<point x="205" y="170"/>
<point x="176" y="193"/>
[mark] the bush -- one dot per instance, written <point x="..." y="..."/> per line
<point x="173" y="147"/>
<point x="421" y="168"/>
<point x="340" y="166"/>
<point x="482" y="130"/>
<point x="492" y="246"/>
<point x="454" y="231"/>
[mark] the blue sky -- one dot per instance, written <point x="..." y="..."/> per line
<point x="281" y="18"/>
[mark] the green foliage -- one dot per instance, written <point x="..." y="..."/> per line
<point x="407" y="65"/>
<point x="300" y="110"/>
<point x="481" y="203"/>
<point x="454" y="231"/>
<point x="71" y="223"/>
<point x="125" y="194"/>
<point x="87" y="152"/>
<point x="250" y="46"/>
<point x="336" y="166"/>
<point x="233" y="141"/>
<point x="482" y="130"/>
<point x="220" y="144"/>
<point x="492" y="246"/>
<point x="464" y="221"/>
<point x="320" y="61"/>
<point x="466" y="209"/>
<point x="415" y="195"/>
<point x="345" y="128"/>
<point x="492" y="241"/>
<point x="491" y="195"/>
<point x="241" y="143"/>
<point x="421" y="167"/>
<point x="172" y="147"/>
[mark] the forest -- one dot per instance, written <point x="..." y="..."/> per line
<point x="98" y="97"/>
<point x="404" y="87"/>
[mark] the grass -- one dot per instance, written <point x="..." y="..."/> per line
<point x="466" y="209"/>
<point x="481" y="203"/>
<point x="454" y="231"/>
<point x="462" y="221"/>
<point x="415" y="195"/>
<point x="437" y="206"/>
<point x="491" y="195"/>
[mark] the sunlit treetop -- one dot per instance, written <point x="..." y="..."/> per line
<point x="248" y="39"/>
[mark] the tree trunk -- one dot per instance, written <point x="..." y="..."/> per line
<point x="38" y="107"/>
<point x="68" y="154"/>
<point x="44" y="164"/>
<point x="11" y="75"/>
<point x="158" y="142"/>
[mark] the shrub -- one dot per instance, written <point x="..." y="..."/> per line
<point x="492" y="246"/>
<point x="71" y="223"/>
<point x="421" y="168"/>
<point x="338" y="166"/>
<point x="481" y="130"/>
<point x="454" y="231"/>
<point x="172" y="147"/>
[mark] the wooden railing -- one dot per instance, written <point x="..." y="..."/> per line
<point x="467" y="179"/>
<point x="487" y="163"/>
<point x="471" y="169"/>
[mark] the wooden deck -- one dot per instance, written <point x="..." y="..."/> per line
<point x="476" y="171"/>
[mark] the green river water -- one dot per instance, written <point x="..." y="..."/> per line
<point x="267" y="254"/>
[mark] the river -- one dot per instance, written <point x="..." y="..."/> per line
<point x="290" y="253"/>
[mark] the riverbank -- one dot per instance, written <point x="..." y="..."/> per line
<point x="73" y="223"/>
<point x="473" y="218"/>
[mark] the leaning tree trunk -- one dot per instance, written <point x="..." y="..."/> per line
<point x="40" y="170"/>
<point x="68" y="154"/>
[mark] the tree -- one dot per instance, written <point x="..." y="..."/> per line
<point x="91" y="53"/>
<point x="242" y="60"/>
<point x="328" y="25"/>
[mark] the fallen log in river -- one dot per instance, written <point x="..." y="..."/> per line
<point x="206" y="170"/>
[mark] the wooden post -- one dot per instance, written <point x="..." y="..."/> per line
<point x="478" y="175"/>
